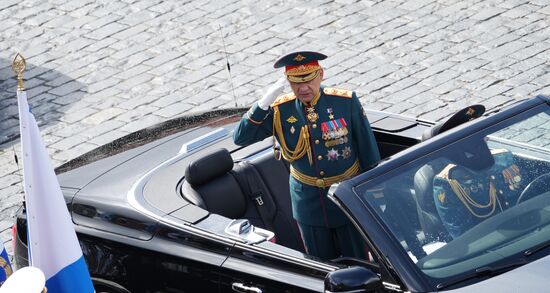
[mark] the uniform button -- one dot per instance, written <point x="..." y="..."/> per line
<point x="317" y="141"/>
<point x="320" y="158"/>
<point x="314" y="125"/>
<point x="322" y="173"/>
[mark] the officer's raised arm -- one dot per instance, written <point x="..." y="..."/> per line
<point x="257" y="122"/>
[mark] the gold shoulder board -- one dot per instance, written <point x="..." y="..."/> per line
<point x="337" y="92"/>
<point x="445" y="172"/>
<point x="283" y="99"/>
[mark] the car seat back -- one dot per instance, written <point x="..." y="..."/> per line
<point x="245" y="190"/>
<point x="209" y="185"/>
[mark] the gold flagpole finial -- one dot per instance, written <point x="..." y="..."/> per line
<point x="18" y="65"/>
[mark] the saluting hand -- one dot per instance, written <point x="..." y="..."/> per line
<point x="272" y="93"/>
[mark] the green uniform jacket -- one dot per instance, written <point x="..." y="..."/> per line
<point x="456" y="211"/>
<point x="340" y="136"/>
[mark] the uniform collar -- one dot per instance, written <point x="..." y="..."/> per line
<point x="314" y="100"/>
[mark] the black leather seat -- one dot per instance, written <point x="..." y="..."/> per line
<point x="209" y="185"/>
<point x="427" y="213"/>
<point x="219" y="186"/>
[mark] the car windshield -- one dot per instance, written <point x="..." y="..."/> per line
<point x="481" y="201"/>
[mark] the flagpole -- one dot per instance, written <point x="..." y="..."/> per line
<point x="51" y="238"/>
<point x="18" y="66"/>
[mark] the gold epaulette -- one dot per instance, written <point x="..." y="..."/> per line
<point x="283" y="99"/>
<point x="445" y="172"/>
<point x="337" y="92"/>
<point x="498" y="151"/>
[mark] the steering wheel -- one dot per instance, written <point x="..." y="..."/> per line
<point x="537" y="186"/>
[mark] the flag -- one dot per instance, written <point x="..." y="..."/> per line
<point x="5" y="267"/>
<point x="53" y="245"/>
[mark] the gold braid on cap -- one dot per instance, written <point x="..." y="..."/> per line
<point x="303" y="78"/>
<point x="302" y="146"/>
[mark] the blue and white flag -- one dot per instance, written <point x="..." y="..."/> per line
<point x="5" y="267"/>
<point x="52" y="241"/>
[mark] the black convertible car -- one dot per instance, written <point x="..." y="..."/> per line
<point x="171" y="209"/>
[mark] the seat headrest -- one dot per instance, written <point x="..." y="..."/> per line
<point x="209" y="167"/>
<point x="462" y="116"/>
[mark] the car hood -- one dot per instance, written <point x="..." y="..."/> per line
<point x="532" y="277"/>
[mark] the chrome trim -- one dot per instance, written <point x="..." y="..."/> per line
<point x="203" y="140"/>
<point x="392" y="287"/>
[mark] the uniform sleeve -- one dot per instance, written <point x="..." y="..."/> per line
<point x="365" y="142"/>
<point x="450" y="209"/>
<point x="255" y="125"/>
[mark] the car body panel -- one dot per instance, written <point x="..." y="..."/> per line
<point x="532" y="277"/>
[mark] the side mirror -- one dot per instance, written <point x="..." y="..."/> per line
<point x="352" y="279"/>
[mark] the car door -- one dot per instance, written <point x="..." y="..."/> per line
<point x="268" y="267"/>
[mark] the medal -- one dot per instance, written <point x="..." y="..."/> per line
<point x="346" y="153"/>
<point x="333" y="142"/>
<point x="512" y="177"/>
<point x="332" y="155"/>
<point x="324" y="131"/>
<point x="329" y="111"/>
<point x="311" y="115"/>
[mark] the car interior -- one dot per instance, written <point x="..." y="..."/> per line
<point x="475" y="155"/>
<point x="251" y="184"/>
<point x="256" y="187"/>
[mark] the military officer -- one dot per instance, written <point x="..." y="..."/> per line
<point x="325" y="136"/>
<point x="465" y="197"/>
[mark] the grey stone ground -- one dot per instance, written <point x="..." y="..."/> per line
<point x="100" y="69"/>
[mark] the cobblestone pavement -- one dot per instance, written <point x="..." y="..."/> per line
<point x="100" y="69"/>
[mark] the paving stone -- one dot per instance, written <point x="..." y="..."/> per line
<point x="144" y="122"/>
<point x="68" y="143"/>
<point x="166" y="58"/>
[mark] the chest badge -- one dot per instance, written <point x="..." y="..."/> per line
<point x="330" y="115"/>
<point x="332" y="155"/>
<point x="346" y="153"/>
<point x="311" y="115"/>
<point x="334" y="132"/>
<point x="512" y="177"/>
<point x="291" y="119"/>
<point x="292" y="129"/>
<point x="441" y="197"/>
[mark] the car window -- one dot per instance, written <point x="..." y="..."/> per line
<point x="482" y="200"/>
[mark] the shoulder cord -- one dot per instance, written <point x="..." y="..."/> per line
<point x="468" y="201"/>
<point x="302" y="146"/>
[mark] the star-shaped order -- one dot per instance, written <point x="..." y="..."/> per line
<point x="332" y="155"/>
<point x="346" y="153"/>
